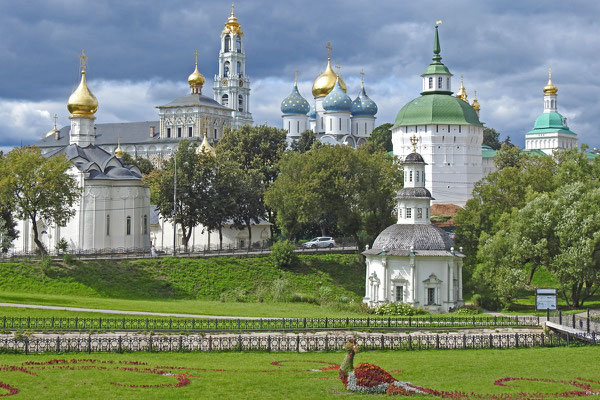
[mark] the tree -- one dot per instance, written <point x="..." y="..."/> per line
<point x="305" y="143"/>
<point x="38" y="188"/>
<point x="194" y="176"/>
<point x="8" y="233"/>
<point x="491" y="137"/>
<point x="382" y="137"/>
<point x="142" y="163"/>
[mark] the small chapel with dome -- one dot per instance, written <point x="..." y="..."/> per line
<point x="414" y="261"/>
<point x="333" y="116"/>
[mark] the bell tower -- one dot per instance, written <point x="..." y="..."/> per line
<point x="232" y="86"/>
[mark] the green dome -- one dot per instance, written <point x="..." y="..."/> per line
<point x="550" y="122"/>
<point x="440" y="109"/>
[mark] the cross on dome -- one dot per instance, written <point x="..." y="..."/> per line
<point x="296" y="76"/>
<point x="328" y="47"/>
<point x="83" y="60"/>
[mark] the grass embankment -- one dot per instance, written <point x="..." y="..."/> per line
<point x="254" y="376"/>
<point x="317" y="286"/>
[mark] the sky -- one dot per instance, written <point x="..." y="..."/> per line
<point x="141" y="52"/>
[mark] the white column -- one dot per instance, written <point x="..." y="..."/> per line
<point x="460" y="283"/>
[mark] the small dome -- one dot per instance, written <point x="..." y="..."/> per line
<point x="414" y="158"/>
<point x="399" y="238"/>
<point x="313" y="113"/>
<point x="337" y="99"/>
<point x="295" y="103"/>
<point x="363" y="105"/>
<point x="414" y="192"/>
<point x="326" y="82"/>
<point x="462" y="92"/>
<point x="550" y="88"/>
<point x="196" y="78"/>
<point x="475" y="104"/>
<point x="82" y="103"/>
<point x="205" y="147"/>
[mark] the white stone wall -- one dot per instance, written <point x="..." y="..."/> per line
<point x="548" y="142"/>
<point x="295" y="124"/>
<point x="452" y="154"/>
<point x="363" y="126"/>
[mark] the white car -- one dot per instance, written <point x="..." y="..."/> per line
<point x="321" y="241"/>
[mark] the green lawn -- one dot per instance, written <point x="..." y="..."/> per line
<point x="317" y="286"/>
<point x="253" y="376"/>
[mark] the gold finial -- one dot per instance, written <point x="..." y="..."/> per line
<point x="232" y="9"/>
<point x="119" y="151"/>
<point x="438" y="22"/>
<point x="83" y="61"/>
<point x="550" y="88"/>
<point x="328" y="47"/>
<point x="475" y="103"/>
<point x="462" y="92"/>
<point x="362" y="78"/>
<point x="296" y="77"/>
<point x="196" y="54"/>
<point x="414" y="140"/>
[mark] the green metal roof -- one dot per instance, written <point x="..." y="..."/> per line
<point x="438" y="69"/>
<point x="590" y="155"/>
<point x="549" y="123"/>
<point x="440" y="109"/>
<point x="487" y="152"/>
<point x="533" y="152"/>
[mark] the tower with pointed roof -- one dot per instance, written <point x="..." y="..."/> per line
<point x="294" y="109"/>
<point x="82" y="105"/>
<point x="449" y="132"/>
<point x="550" y="131"/>
<point x="231" y="84"/>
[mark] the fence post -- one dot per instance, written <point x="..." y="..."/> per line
<point x="76" y="321"/>
<point x="180" y="343"/>
<point x="26" y="346"/>
<point x="495" y="320"/>
<point x="516" y="340"/>
<point x="547" y="314"/>
<point x="52" y="322"/>
<point x="491" y="341"/>
<point x="382" y="343"/>
<point x="304" y="323"/>
<point x="543" y="339"/>
<point x="389" y="322"/>
<point x="123" y="323"/>
<point x="409" y="342"/>
<point x="238" y="324"/>
<point x="170" y="323"/>
<point x="573" y="321"/>
<point x="100" y="323"/>
<point x="367" y="322"/>
<point x="594" y="337"/>
<point x="147" y="322"/>
<point x="464" y="341"/>
<point x="326" y="343"/>
<point x="4" y="322"/>
<point x="28" y="322"/>
<point x="269" y="343"/>
<point x="437" y="341"/>
<point x="193" y="324"/>
<point x="298" y="343"/>
<point x="282" y="323"/>
<point x="588" y="321"/>
<point x="239" y="342"/>
<point x="150" y="345"/>
<point x="409" y="320"/>
<point x="89" y="344"/>
<point x="210" y="343"/>
<point x="58" y="344"/>
<point x="120" y="344"/>
<point x="325" y="322"/>
<point x="560" y="317"/>
<point x="568" y="339"/>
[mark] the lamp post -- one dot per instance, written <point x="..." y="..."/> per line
<point x="175" y="206"/>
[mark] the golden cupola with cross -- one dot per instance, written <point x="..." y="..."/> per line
<point x="82" y="102"/>
<point x="325" y="82"/>
<point x="196" y="79"/>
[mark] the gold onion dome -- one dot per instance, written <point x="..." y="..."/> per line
<point x="205" y="147"/>
<point x="550" y="88"/>
<point x="82" y="103"/>
<point x="196" y="78"/>
<point x="232" y="25"/>
<point x="326" y="81"/>
<point x="462" y="92"/>
<point x="475" y="104"/>
<point x="119" y="150"/>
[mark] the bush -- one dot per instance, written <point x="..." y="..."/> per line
<point x="62" y="245"/>
<point x="283" y="255"/>
<point x="403" y="309"/>
<point x="68" y="259"/>
<point x="237" y="295"/>
<point x="326" y="294"/>
<point x="468" y="310"/>
<point x="46" y="263"/>
<point x="304" y="298"/>
<point x="280" y="290"/>
<point x="477" y="300"/>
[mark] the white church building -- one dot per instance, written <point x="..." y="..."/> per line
<point x="414" y="261"/>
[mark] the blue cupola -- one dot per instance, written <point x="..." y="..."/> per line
<point x="337" y="100"/>
<point x="313" y="113"/>
<point x="295" y="103"/>
<point x="363" y="105"/>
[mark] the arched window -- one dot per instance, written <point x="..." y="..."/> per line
<point x="168" y="132"/>
<point x="179" y="131"/>
<point x="128" y="225"/>
<point x="227" y="43"/>
<point x="330" y="124"/>
<point x="440" y="82"/>
<point x="239" y="69"/>
<point x="430" y="83"/>
<point x="238" y="44"/>
<point x="225" y="100"/>
<point x="290" y="126"/>
<point x="410" y="176"/>
<point x="226" y="68"/>
<point x="448" y="83"/>
<point x="240" y="103"/>
<point x="365" y="128"/>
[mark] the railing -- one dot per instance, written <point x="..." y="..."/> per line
<point x="588" y="323"/>
<point x="260" y="324"/>
<point x="296" y="343"/>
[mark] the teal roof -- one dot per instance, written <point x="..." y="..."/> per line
<point x="487" y="151"/>
<point x="590" y="155"/>
<point x="363" y="105"/>
<point x="337" y="100"/>
<point x="434" y="108"/>
<point x="295" y="103"/>
<point x="533" y="152"/>
<point x="550" y="122"/>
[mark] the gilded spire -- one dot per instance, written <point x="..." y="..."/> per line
<point x="82" y="103"/>
<point x="119" y="151"/>
<point x="475" y="103"/>
<point x="462" y="92"/>
<point x="550" y="88"/>
<point x="205" y="146"/>
<point x="436" y="45"/>
<point x="232" y="25"/>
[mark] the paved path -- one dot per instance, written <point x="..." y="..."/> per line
<point x="103" y="311"/>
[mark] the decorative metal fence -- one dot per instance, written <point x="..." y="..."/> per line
<point x="287" y="343"/>
<point x="589" y="323"/>
<point x="261" y="324"/>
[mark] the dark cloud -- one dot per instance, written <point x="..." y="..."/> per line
<point x="502" y="48"/>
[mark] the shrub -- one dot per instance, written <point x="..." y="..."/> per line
<point x="326" y="294"/>
<point x="304" y="298"/>
<point x="46" y="263"/>
<point x="403" y="309"/>
<point x="283" y="255"/>
<point x="68" y="259"/>
<point x="237" y="295"/>
<point x="280" y="290"/>
<point x="62" y="245"/>
<point x="468" y="310"/>
<point x="477" y="300"/>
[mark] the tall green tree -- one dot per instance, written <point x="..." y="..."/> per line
<point x="8" y="233"/>
<point x="144" y="164"/>
<point x="305" y="143"/>
<point x="38" y="188"/>
<point x="382" y="137"/>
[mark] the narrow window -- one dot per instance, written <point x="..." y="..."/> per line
<point x="419" y="213"/>
<point x="239" y="68"/>
<point x="227" y="44"/>
<point x="408" y="213"/>
<point x="179" y="132"/>
<point x="190" y="131"/>
<point x="225" y="100"/>
<point x="437" y="128"/>
<point x="226" y="68"/>
<point x="365" y="128"/>
<point x="240" y="103"/>
<point x="108" y="225"/>
<point x="238" y="46"/>
<point x="430" y="83"/>
<point x="340" y="124"/>
<point x="440" y="82"/>
<point x="290" y="126"/>
<point x="459" y="129"/>
<point x="400" y="294"/>
<point x="298" y="126"/>
<point x="215" y="133"/>
<point x="430" y="296"/>
<point x="410" y="176"/>
<point x="322" y="125"/>
<point x="448" y="83"/>
<point x="168" y="132"/>
<point x="330" y="124"/>
<point x="417" y="177"/>
<point x="427" y="212"/>
<point x="128" y="225"/>
<point x="145" y="224"/>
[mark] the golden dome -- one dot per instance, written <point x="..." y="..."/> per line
<point x="326" y="81"/>
<point x="196" y="78"/>
<point x="475" y="104"/>
<point x="82" y="103"/>
<point x="206" y="147"/>
<point x="232" y="26"/>
<point x="550" y="88"/>
<point x="462" y="92"/>
<point x="119" y="151"/>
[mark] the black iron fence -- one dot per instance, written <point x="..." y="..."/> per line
<point x="287" y="343"/>
<point x="260" y="324"/>
<point x="590" y="322"/>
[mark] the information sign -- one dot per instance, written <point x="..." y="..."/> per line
<point x="545" y="299"/>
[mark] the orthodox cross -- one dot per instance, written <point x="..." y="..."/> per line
<point x="55" y="118"/>
<point x="414" y="140"/>
<point x="337" y="68"/>
<point x="83" y="60"/>
<point x="438" y="22"/>
<point x="328" y="47"/>
<point x="362" y="77"/>
<point x="232" y="7"/>
<point x="196" y="54"/>
<point x="296" y="76"/>
<point x="549" y="74"/>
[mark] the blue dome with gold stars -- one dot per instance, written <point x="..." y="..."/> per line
<point x="295" y="103"/>
<point x="363" y="105"/>
<point x="313" y="113"/>
<point x="337" y="99"/>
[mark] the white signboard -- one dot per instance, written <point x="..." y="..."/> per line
<point x="545" y="299"/>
